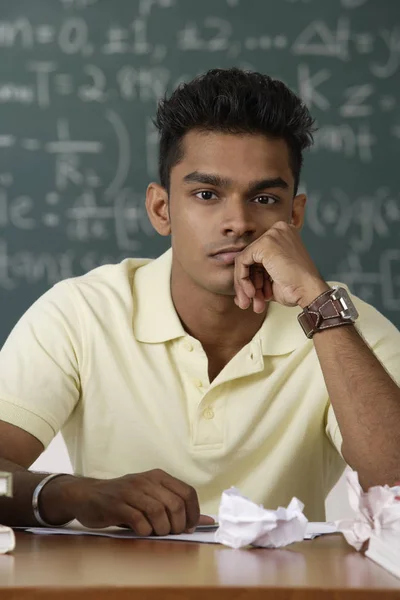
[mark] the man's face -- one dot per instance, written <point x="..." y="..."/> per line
<point x="225" y="193"/>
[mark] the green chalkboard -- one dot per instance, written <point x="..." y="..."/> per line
<point x="79" y="83"/>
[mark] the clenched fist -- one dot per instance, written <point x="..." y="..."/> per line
<point x="277" y="267"/>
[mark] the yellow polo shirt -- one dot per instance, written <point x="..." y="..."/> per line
<point x="104" y="358"/>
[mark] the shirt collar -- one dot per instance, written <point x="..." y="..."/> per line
<point x="155" y="319"/>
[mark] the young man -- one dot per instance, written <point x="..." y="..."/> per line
<point x="177" y="378"/>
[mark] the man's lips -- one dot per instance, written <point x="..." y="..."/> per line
<point x="227" y="257"/>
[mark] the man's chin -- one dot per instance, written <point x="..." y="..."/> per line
<point x="221" y="284"/>
<point x="227" y="290"/>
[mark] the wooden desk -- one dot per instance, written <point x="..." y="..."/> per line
<point x="94" y="568"/>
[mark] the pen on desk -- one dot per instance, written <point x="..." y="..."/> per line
<point x="212" y="527"/>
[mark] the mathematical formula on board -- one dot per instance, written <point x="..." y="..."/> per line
<point x="79" y="83"/>
<point x="215" y="35"/>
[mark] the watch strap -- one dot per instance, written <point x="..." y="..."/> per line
<point x="323" y="313"/>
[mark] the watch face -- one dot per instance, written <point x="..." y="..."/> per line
<point x="349" y="311"/>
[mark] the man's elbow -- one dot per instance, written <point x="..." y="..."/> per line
<point x="370" y="475"/>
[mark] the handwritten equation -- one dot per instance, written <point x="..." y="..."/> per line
<point x="79" y="85"/>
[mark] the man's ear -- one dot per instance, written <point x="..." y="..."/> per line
<point x="157" y="208"/>
<point x="298" y="211"/>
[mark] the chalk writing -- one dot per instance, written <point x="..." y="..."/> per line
<point x="79" y="86"/>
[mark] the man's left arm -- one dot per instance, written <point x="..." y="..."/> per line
<point x="366" y="402"/>
<point x="365" y="399"/>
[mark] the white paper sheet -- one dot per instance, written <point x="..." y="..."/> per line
<point x="384" y="549"/>
<point x="202" y="536"/>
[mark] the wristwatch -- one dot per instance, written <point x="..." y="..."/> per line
<point x="331" y="309"/>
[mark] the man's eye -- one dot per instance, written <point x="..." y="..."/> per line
<point x="205" y="195"/>
<point x="265" y="200"/>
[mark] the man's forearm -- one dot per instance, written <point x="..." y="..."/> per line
<point x="366" y="402"/>
<point x="149" y="502"/>
<point x="17" y="511"/>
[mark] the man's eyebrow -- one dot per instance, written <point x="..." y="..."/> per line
<point x="208" y="179"/>
<point x="267" y="184"/>
<point x="218" y="181"/>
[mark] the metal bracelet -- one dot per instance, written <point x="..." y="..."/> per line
<point x="35" y="501"/>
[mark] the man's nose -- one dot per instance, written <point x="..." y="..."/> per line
<point x="237" y="219"/>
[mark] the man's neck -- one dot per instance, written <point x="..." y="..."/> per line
<point x="214" y="319"/>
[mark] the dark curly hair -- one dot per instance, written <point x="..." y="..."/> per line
<point x="232" y="101"/>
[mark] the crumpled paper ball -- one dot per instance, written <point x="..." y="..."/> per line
<point x="242" y="522"/>
<point x="377" y="511"/>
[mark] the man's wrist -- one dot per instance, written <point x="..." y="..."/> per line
<point x="56" y="501"/>
<point x="312" y="290"/>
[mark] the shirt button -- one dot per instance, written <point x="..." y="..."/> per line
<point x="198" y="383"/>
<point x="208" y="413"/>
<point x="188" y="346"/>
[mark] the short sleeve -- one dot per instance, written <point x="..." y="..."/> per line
<point x="39" y="365"/>
<point x="384" y="340"/>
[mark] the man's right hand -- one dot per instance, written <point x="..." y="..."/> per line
<point x="149" y="503"/>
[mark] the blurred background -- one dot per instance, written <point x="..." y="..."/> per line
<point x="79" y="83"/>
